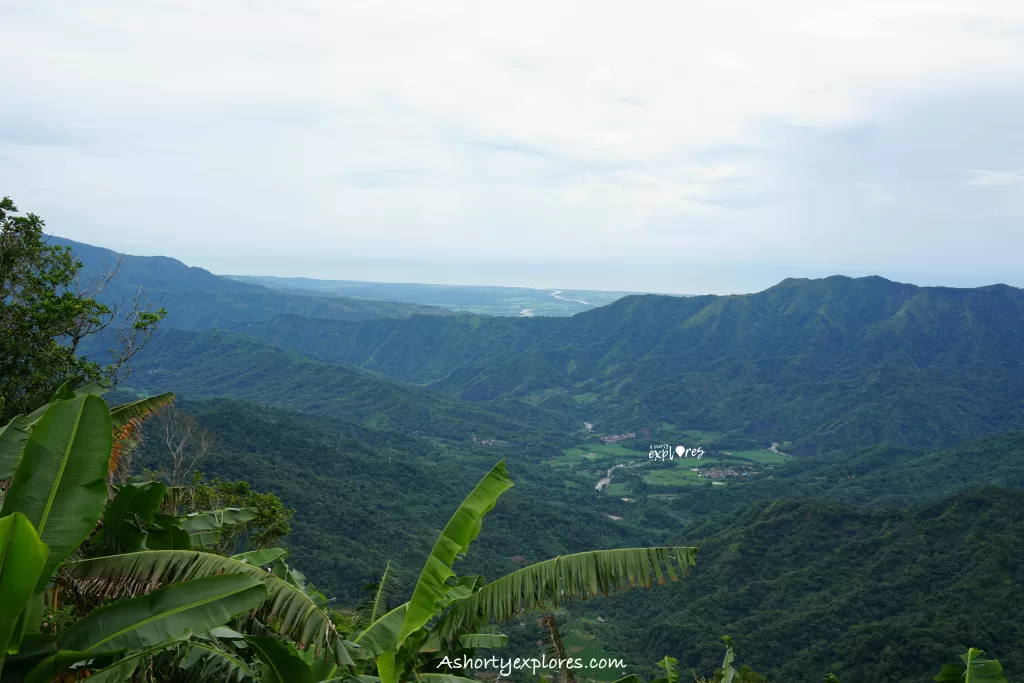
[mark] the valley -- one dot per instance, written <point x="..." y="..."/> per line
<point x="497" y="301"/>
<point x="829" y="416"/>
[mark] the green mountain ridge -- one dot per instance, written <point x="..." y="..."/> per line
<point x="832" y="364"/>
<point x="877" y="562"/>
<point x="220" y="364"/>
<point x="197" y="299"/>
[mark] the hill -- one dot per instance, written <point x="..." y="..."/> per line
<point x="807" y="587"/>
<point x="220" y="364"/>
<point x="197" y="299"/>
<point x="830" y="365"/>
<point x="364" y="496"/>
<point x="507" y="301"/>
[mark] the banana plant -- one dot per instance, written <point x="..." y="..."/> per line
<point x="55" y="500"/>
<point x="22" y="558"/>
<point x="444" y="609"/>
<point x="444" y="612"/>
<point x="976" y="669"/>
<point x="132" y="522"/>
<point x="292" y="610"/>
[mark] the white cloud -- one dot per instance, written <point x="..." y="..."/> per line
<point x="996" y="178"/>
<point x="583" y="129"/>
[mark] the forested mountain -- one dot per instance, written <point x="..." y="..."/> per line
<point x="365" y="496"/>
<point x="197" y="299"/>
<point x="220" y="364"/>
<point x="912" y="398"/>
<point x="790" y="562"/>
<point x="874" y="595"/>
<point x="829" y="364"/>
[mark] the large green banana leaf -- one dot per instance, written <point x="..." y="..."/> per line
<point x="208" y="663"/>
<point x="670" y="665"/>
<point x="280" y="663"/>
<point x="382" y="634"/>
<point x="22" y="557"/>
<point x="976" y="669"/>
<point x="215" y="519"/>
<point x="729" y="672"/>
<point x="386" y="669"/>
<point x="165" y="615"/>
<point x="13" y="437"/>
<point x="150" y="623"/>
<point x="464" y="526"/>
<point x="567" y="578"/>
<point x="323" y="669"/>
<point x="55" y="666"/>
<point x="472" y="641"/>
<point x="166" y="534"/>
<point x="288" y="609"/>
<point x="120" y="415"/>
<point x="122" y="670"/>
<point x="61" y="483"/>
<point x="260" y="558"/>
<point x="133" y="502"/>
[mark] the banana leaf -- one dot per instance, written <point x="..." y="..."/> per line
<point x="60" y="484"/>
<point x="22" y="558"/>
<point x="462" y="528"/>
<point x="121" y="532"/>
<point x="567" y="578"/>
<point x="280" y="662"/>
<point x="287" y="609"/>
<point x="120" y="415"/>
<point x="165" y="615"/>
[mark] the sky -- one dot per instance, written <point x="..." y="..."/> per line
<point x="688" y="147"/>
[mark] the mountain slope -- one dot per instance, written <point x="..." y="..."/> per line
<point x="197" y="299"/>
<point x="831" y="364"/>
<point x="364" y="496"/>
<point x="807" y="587"/>
<point x="220" y="364"/>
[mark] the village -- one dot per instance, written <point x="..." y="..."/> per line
<point x="616" y="438"/>
<point x="722" y="472"/>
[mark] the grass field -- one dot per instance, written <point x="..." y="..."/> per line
<point x="761" y="457"/>
<point x="616" y="489"/>
<point x="582" y="453"/>
<point x="700" y="436"/>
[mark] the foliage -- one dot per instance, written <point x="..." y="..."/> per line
<point x="270" y="521"/>
<point x="976" y="669"/>
<point x="45" y="314"/>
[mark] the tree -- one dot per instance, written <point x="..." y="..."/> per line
<point x="46" y="312"/>
<point x="187" y="443"/>
<point x="270" y="521"/>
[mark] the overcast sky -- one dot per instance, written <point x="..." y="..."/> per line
<point x="667" y="146"/>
